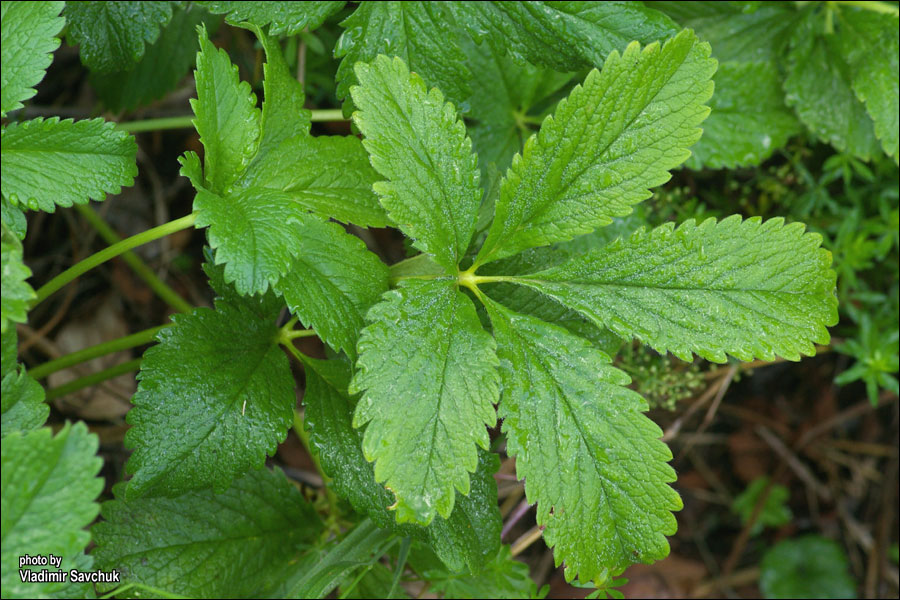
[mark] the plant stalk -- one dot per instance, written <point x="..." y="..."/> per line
<point x="113" y="251"/>
<point x="76" y="358"/>
<point x="140" y="268"/>
<point x="187" y="121"/>
<point x="93" y="379"/>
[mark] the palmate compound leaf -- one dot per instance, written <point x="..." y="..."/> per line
<point x="49" y="484"/>
<point x="50" y="163"/>
<point x="204" y="543"/>
<point x="257" y="201"/>
<point x="332" y="283"/>
<point x="216" y="395"/>
<point x="590" y="458"/>
<point x="17" y="293"/>
<point x="28" y="31"/>
<point x="751" y="289"/>
<point x="111" y="35"/>
<point x="563" y="35"/>
<point x="612" y="139"/>
<point x="417" y="32"/>
<point x="415" y="140"/>
<point x="428" y="375"/>
<point x="283" y="18"/>
<point x="465" y="540"/>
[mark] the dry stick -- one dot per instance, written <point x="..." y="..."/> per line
<point x="705" y="397"/>
<point x="811" y="434"/>
<point x="514" y="518"/>
<point x="742" y="577"/>
<point x="796" y="465"/>
<point x="875" y="566"/>
<point x="720" y="393"/>
<point x="527" y="539"/>
<point x="53" y="322"/>
<point x="740" y="543"/>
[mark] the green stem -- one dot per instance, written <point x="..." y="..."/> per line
<point x="76" y="358"/>
<point x="302" y="434"/>
<point x="140" y="268"/>
<point x="93" y="379"/>
<point x="111" y="252"/>
<point x="300" y="333"/>
<point x="326" y="115"/>
<point x="879" y="7"/>
<point x="187" y="121"/>
<point x="141" y="586"/>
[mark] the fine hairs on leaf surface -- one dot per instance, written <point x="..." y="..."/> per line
<point x="589" y="456"/>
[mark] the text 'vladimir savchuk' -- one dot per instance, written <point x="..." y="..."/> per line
<point x="56" y="575"/>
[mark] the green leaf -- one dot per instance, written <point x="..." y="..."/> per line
<point x="611" y="140"/>
<point x="48" y="489"/>
<point x="13" y="217"/>
<point x="417" y="32"/>
<point x="531" y="302"/>
<point x="10" y="352"/>
<point x="50" y="163"/>
<point x="283" y="114"/>
<point x="589" y="457"/>
<point x="332" y="283"/>
<point x="203" y="543"/>
<point x="28" y="31"/>
<point x="501" y="577"/>
<point x="111" y="35"/>
<point x="504" y="90"/>
<point x="335" y="181"/>
<point x="806" y="567"/>
<point x="748" y="121"/>
<point x="871" y="44"/>
<point x="227" y="118"/>
<point x="428" y="372"/>
<point x="819" y="87"/>
<point x="472" y="533"/>
<point x="23" y="403"/>
<point x="323" y="568"/>
<point x="17" y="294"/>
<point x="563" y="35"/>
<point x="163" y="66"/>
<point x="216" y="395"/>
<point x="283" y="18"/>
<point x="734" y="33"/>
<point x="255" y="232"/>
<point x="749" y="289"/>
<point x="416" y="141"/>
<point x="266" y="306"/>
